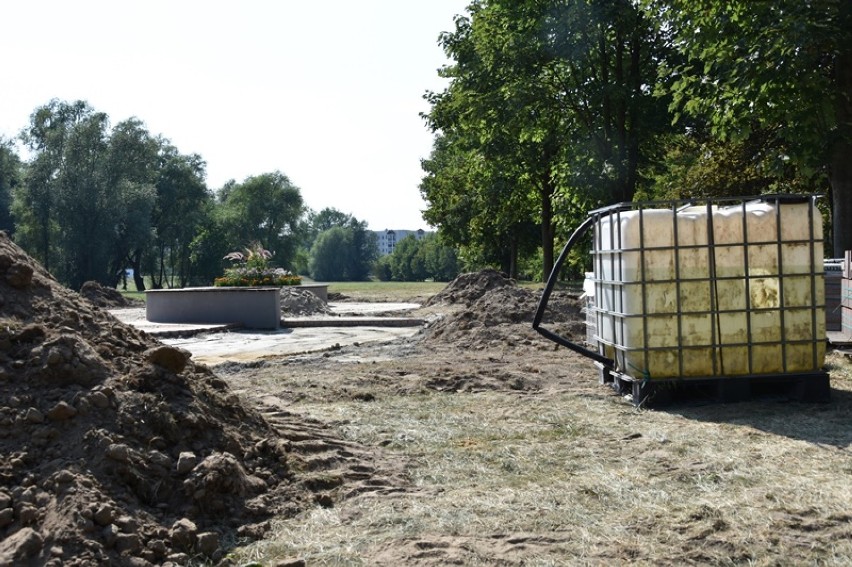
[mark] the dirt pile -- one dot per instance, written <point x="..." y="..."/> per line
<point x="502" y="315"/>
<point x="301" y="302"/>
<point x="118" y="449"/>
<point x="105" y="297"/>
<point x="467" y="288"/>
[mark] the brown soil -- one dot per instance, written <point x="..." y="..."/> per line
<point x="118" y="449"/>
<point x="105" y="297"/>
<point x="301" y="302"/>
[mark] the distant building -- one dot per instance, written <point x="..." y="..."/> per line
<point x="387" y="239"/>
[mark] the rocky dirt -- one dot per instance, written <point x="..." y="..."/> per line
<point x="118" y="449"/>
<point x="105" y="297"/>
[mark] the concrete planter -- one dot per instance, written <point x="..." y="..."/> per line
<point x="320" y="290"/>
<point x="252" y="307"/>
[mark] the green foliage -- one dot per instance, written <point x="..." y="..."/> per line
<point x="10" y="177"/>
<point x="419" y="260"/>
<point x="343" y="253"/>
<point x="318" y="222"/>
<point x="265" y="208"/>
<point x="181" y="213"/>
<point x="328" y="255"/>
<point x="776" y="73"/>
<point x="703" y="166"/>
<point x="83" y="200"/>
<point x="382" y="268"/>
<point x="546" y="98"/>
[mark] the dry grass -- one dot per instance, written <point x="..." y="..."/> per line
<point x="578" y="476"/>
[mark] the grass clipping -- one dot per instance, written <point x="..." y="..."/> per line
<point x="515" y="455"/>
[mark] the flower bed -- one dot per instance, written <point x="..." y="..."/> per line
<point x="242" y="278"/>
<point x="253" y="269"/>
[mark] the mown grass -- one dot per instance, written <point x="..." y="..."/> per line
<point x="598" y="481"/>
<point x="387" y="291"/>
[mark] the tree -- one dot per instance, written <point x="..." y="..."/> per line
<point x="473" y="205"/>
<point x="325" y="219"/>
<point x="441" y="261"/>
<point x="131" y="170"/>
<point x="65" y="207"/>
<point x="784" y="67"/>
<point x="180" y="213"/>
<point x="407" y="264"/>
<point x="93" y="197"/>
<point x="549" y="98"/>
<point x="265" y="208"/>
<point x="344" y="253"/>
<point x="419" y="259"/>
<point x="328" y="255"/>
<point x="34" y="205"/>
<point x="10" y="175"/>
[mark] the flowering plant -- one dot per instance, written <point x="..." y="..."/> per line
<point x="254" y="269"/>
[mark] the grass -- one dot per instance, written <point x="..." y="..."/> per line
<point x="134" y="295"/>
<point x="590" y="478"/>
<point x="387" y="291"/>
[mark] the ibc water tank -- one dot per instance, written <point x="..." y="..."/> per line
<point x="710" y="290"/>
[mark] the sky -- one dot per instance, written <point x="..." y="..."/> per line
<point x="327" y="92"/>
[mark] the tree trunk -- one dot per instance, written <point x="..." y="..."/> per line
<point x="136" y="263"/>
<point x="513" y="256"/>
<point x="547" y="229"/>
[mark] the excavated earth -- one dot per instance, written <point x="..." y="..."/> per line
<point x="119" y="449"/>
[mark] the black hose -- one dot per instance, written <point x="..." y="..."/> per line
<point x="548" y="289"/>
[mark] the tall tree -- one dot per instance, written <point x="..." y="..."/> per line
<point x="10" y="175"/>
<point x="343" y="253"/>
<point x="318" y="222"/>
<point x="554" y="96"/>
<point x="783" y="66"/>
<point x="34" y="206"/>
<point x="328" y="255"/>
<point x="178" y="216"/>
<point x="265" y="208"/>
<point x="131" y="170"/>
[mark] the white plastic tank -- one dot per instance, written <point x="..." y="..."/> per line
<point x="711" y="291"/>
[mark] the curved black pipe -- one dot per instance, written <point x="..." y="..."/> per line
<point x="579" y="232"/>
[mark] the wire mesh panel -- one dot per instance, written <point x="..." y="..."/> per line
<point x="722" y="287"/>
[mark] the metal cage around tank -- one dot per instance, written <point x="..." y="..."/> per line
<point x="722" y="291"/>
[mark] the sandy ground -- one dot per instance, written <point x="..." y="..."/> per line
<point x="214" y="345"/>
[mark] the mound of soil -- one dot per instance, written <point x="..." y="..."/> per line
<point x="301" y="302"/>
<point x="467" y="288"/>
<point x="494" y="319"/>
<point x="117" y="449"/>
<point x="105" y="297"/>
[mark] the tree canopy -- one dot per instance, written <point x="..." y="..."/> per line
<point x="782" y="68"/>
<point x="547" y="108"/>
<point x="343" y="250"/>
<point x="554" y="107"/>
